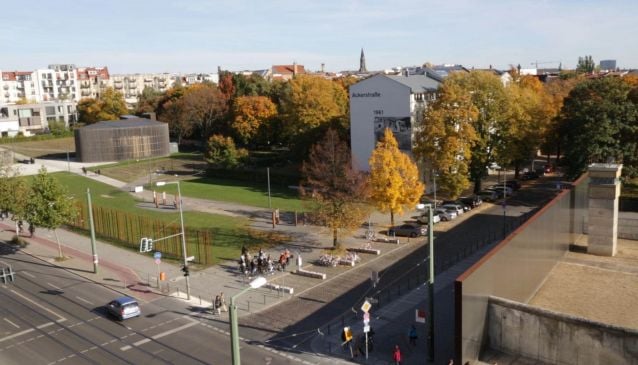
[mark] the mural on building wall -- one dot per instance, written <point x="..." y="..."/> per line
<point x="401" y="127"/>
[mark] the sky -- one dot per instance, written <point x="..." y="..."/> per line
<point x="136" y="36"/>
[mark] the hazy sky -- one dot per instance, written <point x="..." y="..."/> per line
<point x="199" y="35"/>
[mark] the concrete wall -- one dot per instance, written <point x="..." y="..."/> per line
<point x="627" y="225"/>
<point x="556" y="338"/>
<point x="516" y="267"/>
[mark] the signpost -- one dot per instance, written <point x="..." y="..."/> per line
<point x="158" y="259"/>
<point x="366" y="321"/>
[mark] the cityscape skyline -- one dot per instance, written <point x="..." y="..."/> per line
<point x="197" y="36"/>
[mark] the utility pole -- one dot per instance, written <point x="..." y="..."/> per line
<point x="268" y="177"/>
<point x="431" y="282"/>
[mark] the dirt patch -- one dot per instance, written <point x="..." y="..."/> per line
<point x="603" y="289"/>
<point x="44" y="148"/>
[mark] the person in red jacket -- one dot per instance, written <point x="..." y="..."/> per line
<point x="396" y="355"/>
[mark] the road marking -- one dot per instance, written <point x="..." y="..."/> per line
<point x="84" y="300"/>
<point x="17" y="334"/>
<point x="28" y="274"/>
<point x="160" y="335"/>
<point x="55" y="286"/>
<point x="61" y="319"/>
<point x="13" y="324"/>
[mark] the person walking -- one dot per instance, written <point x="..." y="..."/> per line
<point x="396" y="355"/>
<point x="413" y="336"/>
<point x="222" y="300"/>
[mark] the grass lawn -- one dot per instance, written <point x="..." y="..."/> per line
<point x="238" y="192"/>
<point x="230" y="232"/>
<point x="48" y="147"/>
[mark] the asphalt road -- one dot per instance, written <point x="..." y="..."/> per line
<point x="51" y="316"/>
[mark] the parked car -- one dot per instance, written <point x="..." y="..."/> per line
<point x="466" y="207"/>
<point x="501" y="188"/>
<point x="488" y="195"/>
<point x="408" y="230"/>
<point x="514" y="184"/>
<point x="425" y="217"/>
<point x="446" y="214"/>
<point x="123" y="308"/>
<point x="529" y="175"/>
<point x="473" y="201"/>
<point x="458" y="207"/>
<point x="427" y="200"/>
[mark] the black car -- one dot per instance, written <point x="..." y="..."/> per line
<point x="529" y="175"/>
<point x="473" y="201"/>
<point x="514" y="184"/>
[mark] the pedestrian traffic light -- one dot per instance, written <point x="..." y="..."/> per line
<point x="185" y="270"/>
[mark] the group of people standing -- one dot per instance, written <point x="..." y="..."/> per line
<point x="262" y="263"/>
<point x="219" y="305"/>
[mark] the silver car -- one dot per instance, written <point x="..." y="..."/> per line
<point x="424" y="218"/>
<point x="124" y="307"/>
<point x="446" y="214"/>
<point x="457" y="207"/>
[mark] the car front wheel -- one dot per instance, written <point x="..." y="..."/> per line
<point x="412" y="234"/>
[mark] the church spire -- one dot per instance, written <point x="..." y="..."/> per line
<point x="362" y="62"/>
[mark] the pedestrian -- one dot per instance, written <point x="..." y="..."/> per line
<point x="283" y="261"/>
<point x="20" y="225"/>
<point x="217" y="305"/>
<point x="31" y="229"/>
<point x="413" y="336"/>
<point x="84" y="170"/>
<point x="396" y="355"/>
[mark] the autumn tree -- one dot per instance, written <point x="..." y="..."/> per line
<point x="249" y="114"/>
<point x="221" y="152"/>
<point x="109" y="106"/>
<point x="336" y="192"/>
<point x="148" y="101"/>
<point x="313" y="101"/>
<point x="444" y="142"/>
<point x="204" y="107"/>
<point x="394" y="177"/>
<point x="600" y="124"/>
<point x="529" y="118"/>
<point x="556" y="91"/>
<point x="169" y="110"/>
<point x="49" y="205"/>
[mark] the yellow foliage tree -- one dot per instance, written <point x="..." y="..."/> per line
<point x="394" y="177"/>
<point x="249" y="113"/>
<point x="447" y="136"/>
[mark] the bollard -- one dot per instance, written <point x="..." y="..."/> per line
<point x="200" y="300"/>
<point x="264" y="299"/>
<point x="248" y="302"/>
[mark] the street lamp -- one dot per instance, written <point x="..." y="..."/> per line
<point x="431" y="281"/>
<point x="232" y="315"/>
<point x="181" y="219"/>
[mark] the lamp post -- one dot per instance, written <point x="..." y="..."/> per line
<point x="504" y="201"/>
<point x="232" y="315"/>
<point x="181" y="219"/>
<point x="431" y="282"/>
<point x="434" y="178"/>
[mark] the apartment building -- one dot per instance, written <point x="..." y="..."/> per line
<point x="92" y="81"/>
<point x="18" y="85"/>
<point x="29" y="119"/>
<point x="132" y="85"/>
<point x="57" y="82"/>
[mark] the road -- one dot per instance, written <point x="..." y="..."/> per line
<point x="51" y="316"/>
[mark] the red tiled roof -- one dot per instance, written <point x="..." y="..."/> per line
<point x="287" y="69"/>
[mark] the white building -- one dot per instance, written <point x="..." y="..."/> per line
<point x="387" y="101"/>
<point x="58" y="82"/>
<point x="28" y="119"/>
<point x="92" y="81"/>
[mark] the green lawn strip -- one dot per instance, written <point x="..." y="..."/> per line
<point x="230" y="233"/>
<point x="232" y="191"/>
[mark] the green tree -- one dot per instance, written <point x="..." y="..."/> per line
<point x="337" y="193"/>
<point x="253" y="85"/>
<point x="491" y="125"/>
<point x="447" y="136"/>
<point x="14" y="194"/>
<point x="49" y="205"/>
<point x="600" y="122"/>
<point x="148" y="101"/>
<point x="585" y="65"/>
<point x="394" y="177"/>
<point x="221" y="152"/>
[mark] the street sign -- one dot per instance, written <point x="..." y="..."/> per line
<point x="420" y="316"/>
<point x="366" y="329"/>
<point x="158" y="261"/>
<point x="157" y="255"/>
<point x="366" y="306"/>
<point x="366" y="317"/>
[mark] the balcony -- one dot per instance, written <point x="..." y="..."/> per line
<point x="133" y="86"/>
<point x="6" y="87"/>
<point x="117" y="81"/>
<point x="118" y="86"/>
<point x="86" y="92"/>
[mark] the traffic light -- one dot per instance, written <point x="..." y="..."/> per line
<point x="185" y="270"/>
<point x="146" y="244"/>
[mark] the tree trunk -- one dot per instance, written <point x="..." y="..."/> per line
<point x="391" y="217"/>
<point x="59" y="245"/>
<point x="334" y="238"/>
